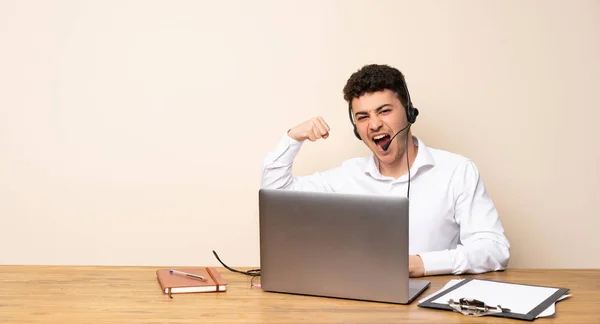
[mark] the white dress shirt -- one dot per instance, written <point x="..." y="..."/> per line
<point x="454" y="225"/>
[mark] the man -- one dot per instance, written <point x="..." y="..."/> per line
<point x="454" y="225"/>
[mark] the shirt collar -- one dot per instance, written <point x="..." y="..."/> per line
<point x="424" y="158"/>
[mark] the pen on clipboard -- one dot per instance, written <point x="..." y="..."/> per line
<point x="185" y="274"/>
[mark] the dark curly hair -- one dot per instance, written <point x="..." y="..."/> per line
<point x="373" y="78"/>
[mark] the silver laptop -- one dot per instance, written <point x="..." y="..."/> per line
<point x="336" y="245"/>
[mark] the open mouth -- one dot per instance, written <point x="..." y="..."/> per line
<point x="381" y="140"/>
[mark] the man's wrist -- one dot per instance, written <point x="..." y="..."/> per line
<point x="416" y="268"/>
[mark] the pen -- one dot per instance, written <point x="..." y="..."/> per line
<point x="185" y="274"/>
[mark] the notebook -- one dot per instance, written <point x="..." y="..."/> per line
<point x="176" y="284"/>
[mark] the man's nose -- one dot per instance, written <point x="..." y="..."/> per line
<point x="375" y="123"/>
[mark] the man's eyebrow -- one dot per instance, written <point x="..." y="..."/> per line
<point x="376" y="110"/>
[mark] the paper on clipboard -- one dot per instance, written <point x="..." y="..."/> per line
<point x="530" y="296"/>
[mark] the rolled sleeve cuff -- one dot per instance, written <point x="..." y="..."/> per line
<point x="437" y="262"/>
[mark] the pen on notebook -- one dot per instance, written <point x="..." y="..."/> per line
<point x="185" y="274"/>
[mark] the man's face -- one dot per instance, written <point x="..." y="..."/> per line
<point x="378" y="117"/>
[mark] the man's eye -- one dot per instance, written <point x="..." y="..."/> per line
<point x="361" y="118"/>
<point x="385" y="111"/>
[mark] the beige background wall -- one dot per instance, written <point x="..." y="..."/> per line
<point x="133" y="132"/>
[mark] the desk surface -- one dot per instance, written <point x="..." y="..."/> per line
<point x="78" y="294"/>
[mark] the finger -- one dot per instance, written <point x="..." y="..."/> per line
<point x="323" y="131"/>
<point x="316" y="131"/>
<point x="324" y="123"/>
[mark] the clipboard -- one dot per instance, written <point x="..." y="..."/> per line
<point x="524" y="301"/>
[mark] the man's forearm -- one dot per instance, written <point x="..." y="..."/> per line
<point x="482" y="255"/>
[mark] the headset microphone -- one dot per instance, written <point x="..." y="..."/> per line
<point x="387" y="145"/>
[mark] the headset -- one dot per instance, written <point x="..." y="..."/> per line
<point x="411" y="111"/>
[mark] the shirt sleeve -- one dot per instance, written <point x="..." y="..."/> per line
<point x="483" y="246"/>
<point x="277" y="169"/>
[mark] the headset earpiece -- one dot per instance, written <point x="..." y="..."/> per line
<point x="412" y="113"/>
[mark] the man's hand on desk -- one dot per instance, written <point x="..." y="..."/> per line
<point x="415" y="266"/>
